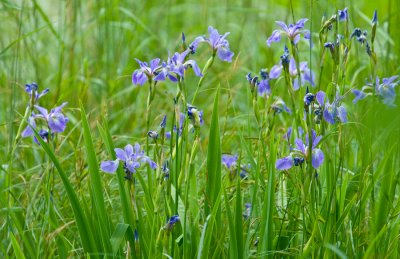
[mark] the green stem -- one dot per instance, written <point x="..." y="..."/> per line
<point x="204" y="72"/>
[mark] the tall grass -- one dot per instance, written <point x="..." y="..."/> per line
<point x="56" y="202"/>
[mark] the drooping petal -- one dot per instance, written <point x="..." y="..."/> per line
<point x="42" y="111"/>
<point x="28" y="131"/>
<point x="151" y="163"/>
<point x="389" y="80"/>
<point x="160" y="76"/>
<point x="138" y="77"/>
<point x="342" y="114"/>
<point x="264" y="88"/>
<point x="359" y="95"/>
<point x="296" y="84"/>
<point x="275" y="37"/>
<point x="275" y="71"/>
<point x="284" y="163"/>
<point x="109" y="166"/>
<point x="328" y="114"/>
<point x="57" y="122"/>
<point x="292" y="67"/>
<point x="317" y="158"/>
<point x="320" y="96"/>
<point x="225" y="54"/>
<point x="296" y="39"/>
<point x="121" y="154"/>
<point x="195" y="67"/>
<point x="307" y="34"/>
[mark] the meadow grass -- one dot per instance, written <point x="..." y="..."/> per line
<point x="56" y="201"/>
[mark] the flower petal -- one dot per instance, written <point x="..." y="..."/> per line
<point x="275" y="71"/>
<point x="109" y="166"/>
<point x="275" y="37"/>
<point x="317" y="157"/>
<point x="284" y="163"/>
<point x="225" y="54"/>
<point x="121" y="154"/>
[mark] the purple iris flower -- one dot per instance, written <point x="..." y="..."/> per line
<point x="131" y="156"/>
<point x="343" y="14"/>
<point x="218" y="43"/>
<point x="56" y="121"/>
<point x="176" y="66"/>
<point x="145" y="72"/>
<point x="293" y="32"/>
<point x="32" y="90"/>
<point x="229" y="161"/>
<point x="333" y="110"/>
<point x="385" y="90"/>
<point x="306" y="74"/>
<point x="301" y="153"/>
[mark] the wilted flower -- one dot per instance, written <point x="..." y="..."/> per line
<point x="293" y="32"/>
<point x="306" y="75"/>
<point x="384" y="90"/>
<point x="132" y="157"/>
<point x="218" y="43"/>
<point x="301" y="153"/>
<point x="145" y="72"/>
<point x="331" y="111"/>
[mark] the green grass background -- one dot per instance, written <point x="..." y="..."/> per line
<point x="84" y="51"/>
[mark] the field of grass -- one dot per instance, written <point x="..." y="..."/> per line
<point x="225" y="169"/>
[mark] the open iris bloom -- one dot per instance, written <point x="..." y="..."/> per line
<point x="301" y="153"/>
<point x="145" y="72"/>
<point x="306" y="75"/>
<point x="131" y="156"/>
<point x="384" y="90"/>
<point x="176" y="66"/>
<point x="293" y="32"/>
<point x="56" y="122"/>
<point x="331" y="111"/>
<point x="218" y="43"/>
